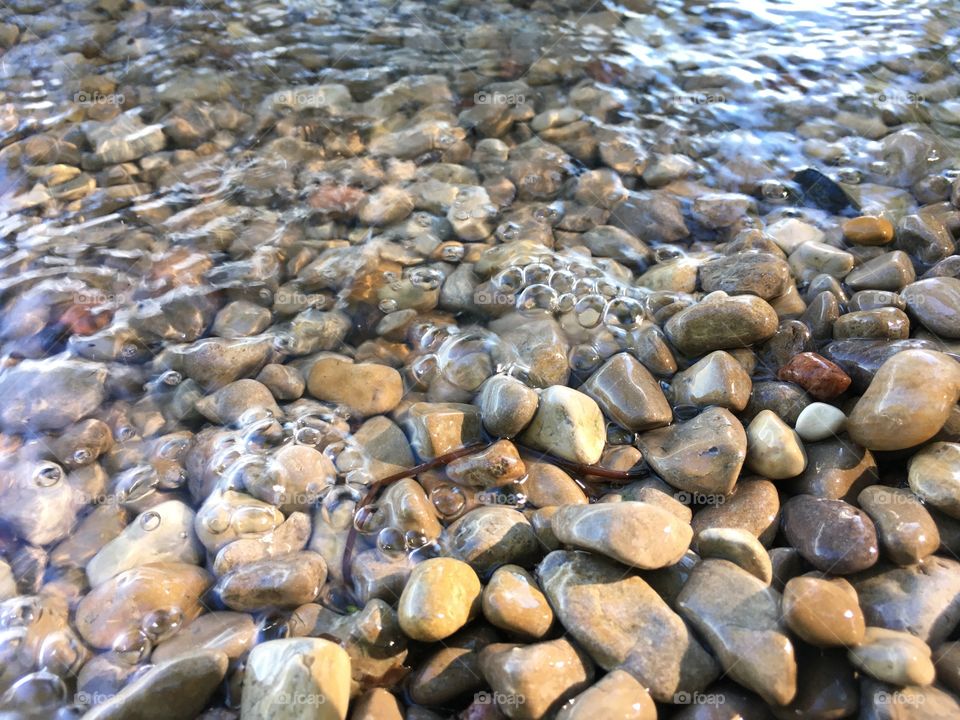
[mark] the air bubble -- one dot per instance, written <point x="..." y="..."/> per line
<point x="388" y="305"/>
<point x="414" y="540"/>
<point x="537" y="273"/>
<point x="589" y="310"/>
<point x="509" y="279"/>
<point x="583" y="358"/>
<point x="48" y="474"/>
<point x="162" y="623"/>
<point x="622" y="314"/>
<point x="391" y="541"/>
<point x="132" y="646"/>
<point x="426" y="278"/>
<point x="365" y="519"/>
<point x="150" y="521"/>
<point x="452" y="253"/>
<point x="537" y="300"/>
<point x="449" y="500"/>
<point x="171" y="378"/>
<point x="338" y="507"/>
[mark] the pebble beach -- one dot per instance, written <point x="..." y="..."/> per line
<point x="479" y="360"/>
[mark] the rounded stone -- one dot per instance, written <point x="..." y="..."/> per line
<point x="512" y="601"/>
<point x="907" y="531"/>
<point x="740" y="547"/>
<point x="868" y="230"/>
<point x="823" y="611"/>
<point x="936" y="303"/>
<point x="894" y="656"/>
<point x="365" y="388"/>
<point x="819" y="421"/>
<point x="441" y="596"/>
<point x="833" y="536"/>
<point x="934" y="475"/>
<point x="507" y="405"/>
<point x="774" y="450"/>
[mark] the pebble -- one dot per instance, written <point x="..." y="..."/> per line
<point x="628" y="394"/>
<point x="891" y="271"/>
<point x="284" y="381"/>
<point x="454" y="669"/>
<point x="837" y="469"/>
<point x="868" y="230"/>
<point x="934" y="475"/>
<point x="702" y="455"/>
<point x="901" y="407"/>
<point x="821" y="378"/>
<point x="753" y="505"/>
<point x="784" y="399"/>
<point x="281" y="581"/>
<point x="832" y="535"/>
<point x="893" y="656"/>
<point x="488" y="537"/>
<point x="774" y="450"/>
<point x="568" y="424"/>
<point x="533" y="681"/>
<point x="547" y="485"/>
<point x="405" y="506"/>
<point x="383" y="450"/>
<point x="621" y="621"/>
<point x="365" y="388"/>
<point x="498" y="464"/>
<point x="936" y="303"/>
<point x="882" y="323"/>
<point x="228" y="516"/>
<point x="923" y="599"/>
<point x="241" y="319"/>
<point x="296" y="678"/>
<point x="716" y="379"/>
<point x="442" y="595"/>
<point x="507" y="405"/>
<point x="147" y="696"/>
<point x="436" y="429"/>
<point x="823" y="611"/>
<point x="124" y="602"/>
<point x="907" y="532"/>
<point x="235" y="401"/>
<point x="616" y="695"/>
<point x="376" y="704"/>
<point x="720" y="322"/>
<point x="164" y="533"/>
<point x="739" y="617"/>
<point x="637" y="534"/>
<point x="50" y="394"/>
<point x="814" y="258"/>
<point x="230" y="633"/>
<point x="819" y="421"/>
<point x="750" y="273"/>
<point x="512" y="602"/>
<point x="740" y="547"/>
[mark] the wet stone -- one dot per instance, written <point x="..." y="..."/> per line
<point x="499" y="464"/>
<point x="720" y="322"/>
<point x="489" y="537"/>
<point x="936" y="303"/>
<point x="934" y="475"/>
<point x="893" y="656"/>
<point x="882" y="323"/>
<point x="716" y="379"/>
<point x="507" y="405"/>
<point x="441" y="596"/>
<point x="783" y="399"/>
<point x="283" y="581"/>
<point x="868" y="230"/>
<point x="435" y="429"/>
<point x="774" y="450"/>
<point x="740" y="547"/>
<point x="821" y="378"/>
<point x="907" y="532"/>
<point x="365" y="388"/>
<point x="616" y="694"/>
<point x="890" y="271"/>
<point x="833" y="536"/>
<point x="823" y="611"/>
<point x="753" y="505"/>
<point x="513" y="602"/>
<point x="628" y="394"/>
<point x="568" y="424"/>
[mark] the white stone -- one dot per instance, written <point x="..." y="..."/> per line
<point x="819" y="421"/>
<point x="568" y="424"/>
<point x="774" y="450"/>
<point x="790" y="233"/>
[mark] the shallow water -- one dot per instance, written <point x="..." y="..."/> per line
<point x="159" y="161"/>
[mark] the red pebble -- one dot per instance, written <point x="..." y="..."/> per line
<point x="821" y="378"/>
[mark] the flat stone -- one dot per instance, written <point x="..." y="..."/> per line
<point x="702" y="455"/>
<point x="832" y="535"/>
<point x="884" y="323"/>
<point x="820" y="377"/>
<point x="230" y="633"/>
<point x="616" y="695"/>
<point x="774" y="450"/>
<point x="533" y="681"/>
<point x="621" y="621"/>
<point x="365" y="388"/>
<point x="823" y="611"/>
<point x="936" y="303"/>
<point x="441" y="596"/>
<point x="716" y="379"/>
<point x="894" y="656"/>
<point x="907" y="532"/>
<point x="628" y="394"/>
<point x="719" y="322"/>
<point x="750" y="273"/>
<point x="512" y="601"/>
<point x="296" y="678"/>
<point x="568" y="424"/>
<point x="739" y="616"/>
<point x="283" y="581"/>
<point x="637" y="534"/>
<point x="740" y="547"/>
<point x="923" y="599"/>
<point x="868" y="230"/>
<point x="753" y="505"/>
<point x="902" y="408"/>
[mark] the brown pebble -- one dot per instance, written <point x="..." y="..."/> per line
<point x="868" y="230"/>
<point x="821" y="378"/>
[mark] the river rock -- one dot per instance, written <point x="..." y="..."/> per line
<point x="836" y="469"/>
<point x="902" y="408"/>
<point x="637" y="534"/>
<point x="296" y="678"/>
<point x="702" y="455"/>
<point x="934" y="475"/>
<point x="774" y="450"/>
<point x="488" y="537"/>
<point x="284" y="381"/>
<point x="230" y="403"/>
<point x="533" y="681"/>
<point x="739" y="616"/>
<point x="907" y="532"/>
<point x="753" y="505"/>
<point x="821" y="378"/>
<point x="884" y="323"/>
<point x="164" y="533"/>
<point x="365" y="388"/>
<point x="454" y="669"/>
<point x="507" y="405"/>
<point x="740" y="547"/>
<point x="568" y="424"/>
<point x="548" y="485"/>
<point x="823" y="611"/>
<point x="616" y="695"/>
<point x="435" y="429"/>
<point x="716" y="379"/>
<point x="498" y="464"/>
<point x="231" y="633"/>
<point x="383" y="450"/>
<point x="894" y="656"/>
<point x="819" y="421"/>
<point x="178" y="689"/>
<point x="923" y="599"/>
<point x="784" y="399"/>
<point x="889" y="271"/>
<point x="230" y="515"/>
<point x="719" y="322"/>
<point x="936" y="303"/>
<point x="50" y="394"/>
<point x="833" y="536"/>
<point x="628" y="394"/>
<point x="749" y="273"/>
<point x="124" y="601"/>
<point x="512" y="601"/>
<point x="441" y="596"/>
<point x="868" y="230"/>
<point x="282" y="581"/>
<point x="620" y="620"/>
